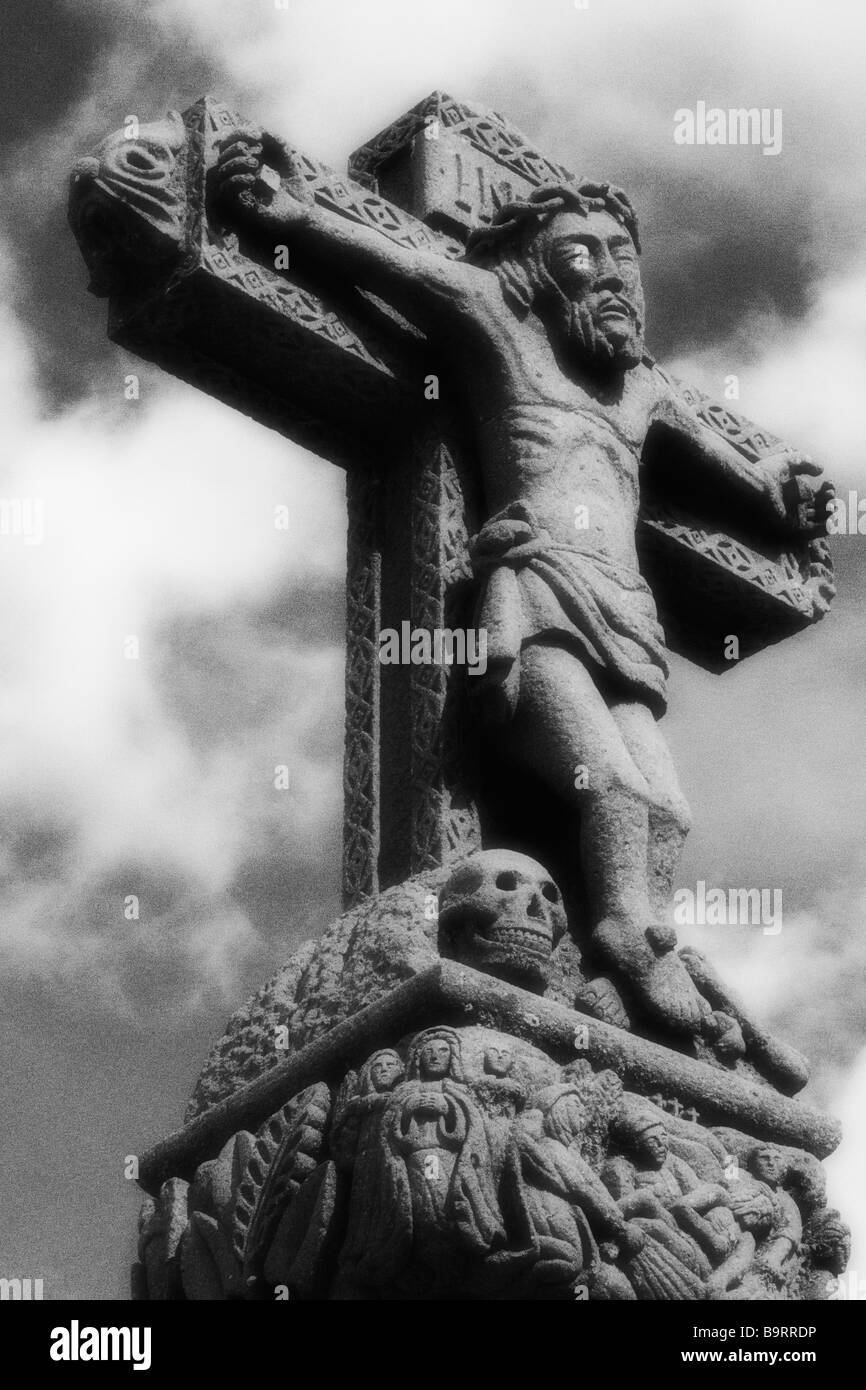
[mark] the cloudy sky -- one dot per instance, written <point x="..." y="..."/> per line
<point x="155" y="776"/>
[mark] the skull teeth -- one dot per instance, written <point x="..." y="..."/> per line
<point x="524" y="937"/>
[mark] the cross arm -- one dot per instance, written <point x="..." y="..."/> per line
<point x="778" y="493"/>
<point x="424" y="285"/>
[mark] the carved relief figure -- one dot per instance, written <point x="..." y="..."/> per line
<point x="500" y="1092"/>
<point x="779" y="1254"/>
<point x="563" y="1206"/>
<point x="655" y="1184"/>
<point x="360" y="1104"/>
<point x="426" y="1198"/>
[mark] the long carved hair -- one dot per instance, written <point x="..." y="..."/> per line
<point x="565" y="1111"/>
<point x="455" y="1071"/>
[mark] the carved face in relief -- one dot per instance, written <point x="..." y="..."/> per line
<point x="566" y="1119"/>
<point x="498" y="1061"/>
<point x="501" y="912"/>
<point x="435" y="1059"/>
<point x="435" y="1054"/>
<point x="831" y="1243"/>
<point x="769" y="1166"/>
<point x="598" y="306"/>
<point x="385" y="1070"/>
<point x="124" y="200"/>
<point x="652" y="1145"/>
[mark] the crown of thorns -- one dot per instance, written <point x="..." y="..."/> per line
<point x="544" y="202"/>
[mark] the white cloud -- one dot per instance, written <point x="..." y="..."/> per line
<point x="158" y="515"/>
<point x="802" y="380"/>
<point x="845" y="1168"/>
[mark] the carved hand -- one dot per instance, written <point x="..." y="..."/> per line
<point x="426" y="1104"/>
<point x="798" y="503"/>
<point x="236" y="180"/>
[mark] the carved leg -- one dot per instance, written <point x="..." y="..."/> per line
<point x="669" y="814"/>
<point x="564" y="731"/>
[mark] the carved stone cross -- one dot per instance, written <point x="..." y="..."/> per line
<point x="342" y="373"/>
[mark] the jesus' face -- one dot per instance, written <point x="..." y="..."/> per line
<point x="594" y="263"/>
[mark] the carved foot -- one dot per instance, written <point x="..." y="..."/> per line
<point x="661" y="984"/>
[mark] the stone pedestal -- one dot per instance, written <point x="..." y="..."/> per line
<point x="380" y="1122"/>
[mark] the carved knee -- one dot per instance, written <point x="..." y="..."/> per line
<point x="617" y="785"/>
<point x="672" y="807"/>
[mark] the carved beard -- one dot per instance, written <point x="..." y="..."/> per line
<point x="607" y="345"/>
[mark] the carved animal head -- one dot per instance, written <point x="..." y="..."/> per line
<point x="126" y="206"/>
<point x="501" y="912"/>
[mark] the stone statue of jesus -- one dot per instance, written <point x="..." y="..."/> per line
<point x="542" y="323"/>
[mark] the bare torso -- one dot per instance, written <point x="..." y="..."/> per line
<point x="568" y="452"/>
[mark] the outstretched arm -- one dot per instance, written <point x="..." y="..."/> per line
<point x="418" y="283"/>
<point x="783" y="491"/>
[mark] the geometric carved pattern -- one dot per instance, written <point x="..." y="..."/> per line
<point x="460" y="520"/>
<point x="272" y="347"/>
<point x="362" y="747"/>
<point x="444" y="818"/>
<point x="778" y="592"/>
<point x="752" y="442"/>
<point x="427" y="684"/>
<point x="488" y="133"/>
<point x="780" y="579"/>
<point x="358" y="204"/>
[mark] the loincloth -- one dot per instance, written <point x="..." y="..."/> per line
<point x="534" y="587"/>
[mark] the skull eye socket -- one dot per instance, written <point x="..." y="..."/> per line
<point x="550" y="891"/>
<point x="507" y="881"/>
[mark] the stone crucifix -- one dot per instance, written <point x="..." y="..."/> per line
<point x="559" y="492"/>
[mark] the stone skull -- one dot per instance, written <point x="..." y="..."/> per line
<point x="501" y="912"/>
